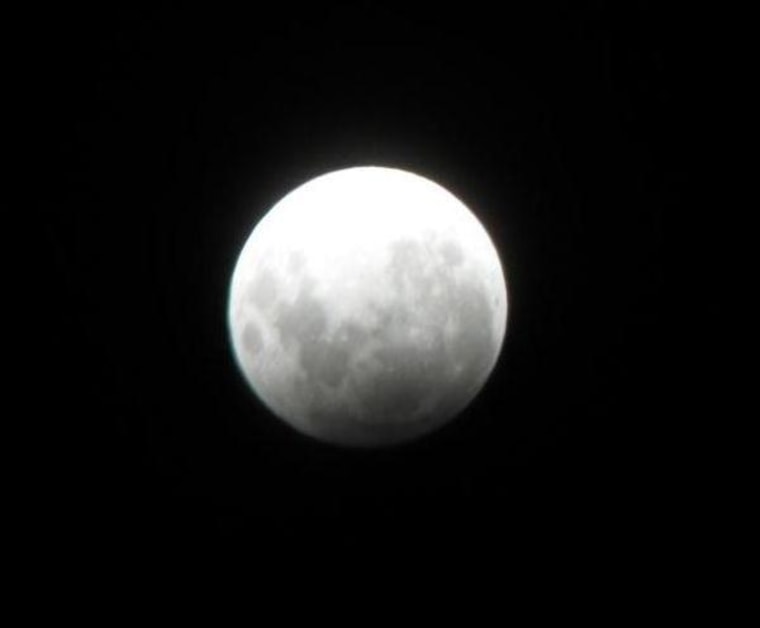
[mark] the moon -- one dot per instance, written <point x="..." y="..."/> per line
<point x="368" y="307"/>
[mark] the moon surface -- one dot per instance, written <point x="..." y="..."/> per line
<point x="368" y="307"/>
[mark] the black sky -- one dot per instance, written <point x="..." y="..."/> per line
<point x="170" y="132"/>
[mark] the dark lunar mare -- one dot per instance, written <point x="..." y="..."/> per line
<point x="419" y="375"/>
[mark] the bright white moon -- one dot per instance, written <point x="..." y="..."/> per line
<point x="368" y="307"/>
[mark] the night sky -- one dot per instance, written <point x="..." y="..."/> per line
<point x="171" y="132"/>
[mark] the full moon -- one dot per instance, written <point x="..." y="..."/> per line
<point x="368" y="307"/>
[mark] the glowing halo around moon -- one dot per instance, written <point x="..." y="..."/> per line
<point x="368" y="307"/>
